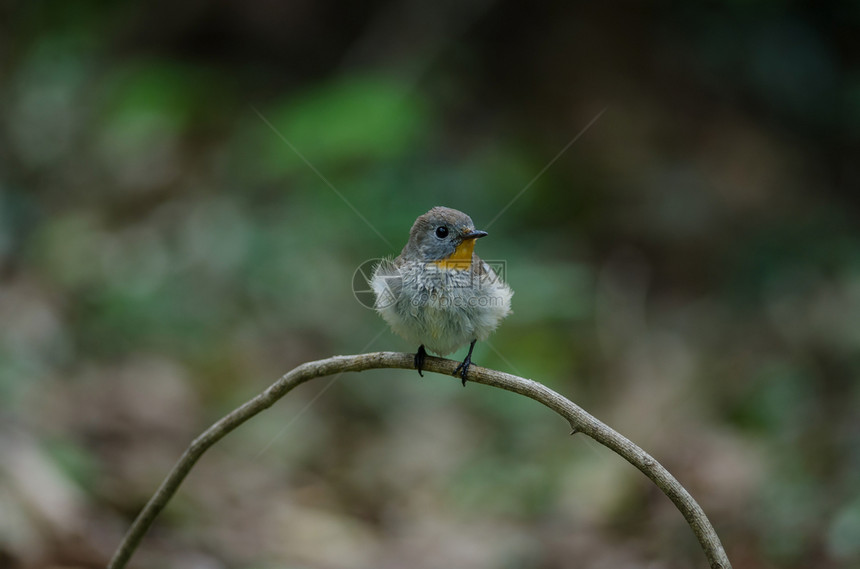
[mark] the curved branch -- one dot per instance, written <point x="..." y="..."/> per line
<point x="579" y="420"/>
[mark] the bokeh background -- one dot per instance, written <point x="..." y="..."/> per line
<point x="187" y="187"/>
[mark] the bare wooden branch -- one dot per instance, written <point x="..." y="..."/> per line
<point x="580" y="422"/>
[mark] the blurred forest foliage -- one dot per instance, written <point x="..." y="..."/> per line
<point x="179" y="184"/>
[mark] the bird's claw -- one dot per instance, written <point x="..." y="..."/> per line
<point x="463" y="369"/>
<point x="419" y="359"/>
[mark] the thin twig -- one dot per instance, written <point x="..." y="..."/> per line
<point x="580" y="422"/>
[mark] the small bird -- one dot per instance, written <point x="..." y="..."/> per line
<point x="438" y="293"/>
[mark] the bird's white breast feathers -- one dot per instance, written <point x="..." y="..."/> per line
<point x="440" y="308"/>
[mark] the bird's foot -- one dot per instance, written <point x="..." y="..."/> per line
<point x="419" y="359"/>
<point x="463" y="369"/>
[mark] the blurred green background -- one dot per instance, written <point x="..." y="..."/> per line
<point x="688" y="271"/>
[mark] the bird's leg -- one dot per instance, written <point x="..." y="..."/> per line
<point x="419" y="359"/>
<point x="463" y="368"/>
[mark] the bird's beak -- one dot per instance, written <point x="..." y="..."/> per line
<point x="474" y="234"/>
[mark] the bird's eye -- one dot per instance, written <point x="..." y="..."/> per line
<point x="441" y="232"/>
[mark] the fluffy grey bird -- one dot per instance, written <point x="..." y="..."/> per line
<point x="438" y="293"/>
